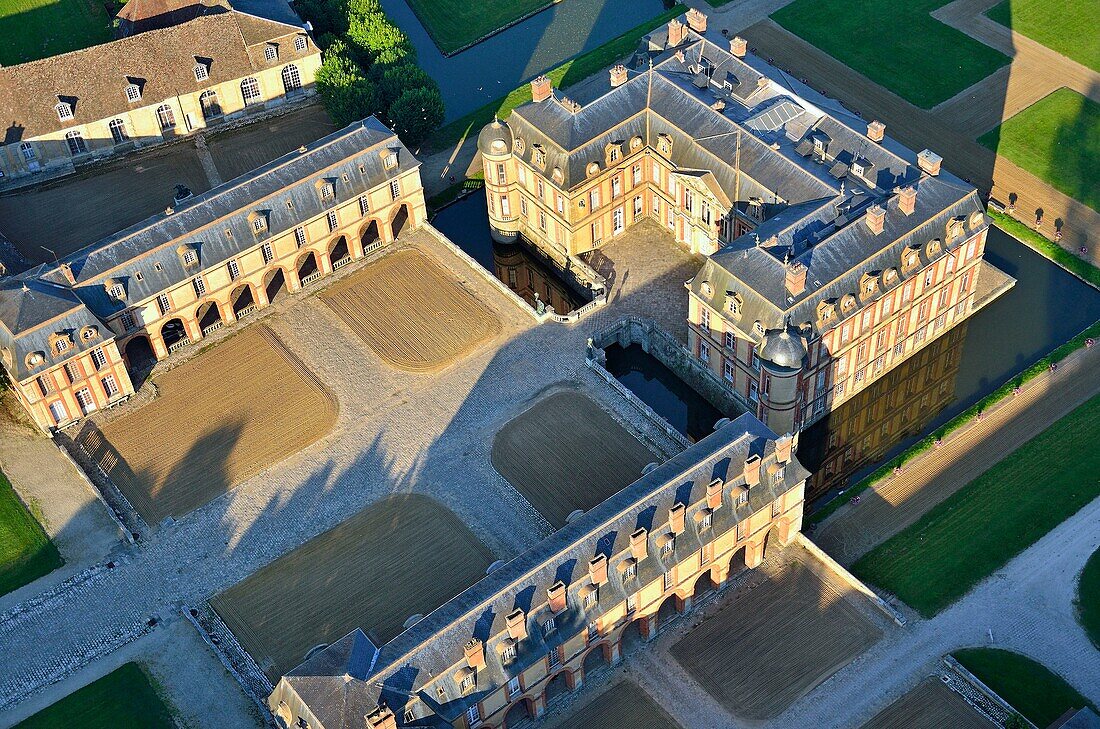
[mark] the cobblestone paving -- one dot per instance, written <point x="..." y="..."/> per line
<point x="396" y="431"/>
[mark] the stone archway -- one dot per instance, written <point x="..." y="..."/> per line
<point x="244" y="302"/>
<point x="338" y="253"/>
<point x="399" y="222"/>
<point x="174" y="334"/>
<point x="369" y="235"/>
<point x="275" y="284"/>
<point x="209" y="317"/>
<point x="522" y="710"/>
<point x="703" y="586"/>
<point x="633" y="636"/>
<point x="139" y="353"/>
<point x="308" y="268"/>
<point x="558" y="686"/>
<point x="597" y="659"/>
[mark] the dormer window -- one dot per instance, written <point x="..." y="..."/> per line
<point x="189" y="255"/>
<point x="389" y="160"/>
<point x="271" y="53"/>
<point x="847" y="303"/>
<point x="819" y="146"/>
<point x="258" y="221"/>
<point x="64" y="110"/>
<point x="133" y="93"/>
<point x="327" y="191"/>
<point x="467" y="684"/>
<point x="60" y="345"/>
<point x="758" y="329"/>
<point x="201" y="72"/>
<point x="777" y="477"/>
<point x="538" y="155"/>
<point x="734" y="304"/>
<point x="549" y="626"/>
<point x="857" y="168"/>
<point x="706" y="288"/>
<point x="300" y="43"/>
<point x="593" y="169"/>
<point x="954" y="228"/>
<point x="117" y="292"/>
<point x="508" y="654"/>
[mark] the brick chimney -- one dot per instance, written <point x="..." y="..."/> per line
<point x="571" y="106"/>
<point x="876" y="130"/>
<point x="714" y="493"/>
<point x="517" y="624"/>
<point x="929" y="162"/>
<point x="475" y="653"/>
<point x="796" y="278"/>
<point x="638" y="541"/>
<point x="618" y="75"/>
<point x="676" y="518"/>
<point x="382" y="718"/>
<point x="597" y="569"/>
<point x="876" y="218"/>
<point x="739" y="46"/>
<point x="67" y="272"/>
<point x="697" y="21"/>
<point x="541" y="89"/>
<point x="907" y="199"/>
<point x="783" y="446"/>
<point x="752" y="470"/>
<point x="675" y="33"/>
<point x="555" y="595"/>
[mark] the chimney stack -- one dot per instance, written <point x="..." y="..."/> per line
<point x="517" y="624"/>
<point x="907" y="199"/>
<point x="618" y="75"/>
<point x="675" y="33"/>
<point x="752" y="471"/>
<point x="638" y="544"/>
<point x="555" y="595"/>
<point x="475" y="654"/>
<point x="676" y="518"/>
<point x="714" y="494"/>
<point x="876" y="218"/>
<point x="597" y="569"/>
<point x="571" y="106"/>
<point x="67" y="272"/>
<point x="541" y="89"/>
<point x="796" y="278"/>
<point x="876" y="130"/>
<point x="739" y="46"/>
<point x="783" y="446"/>
<point x="382" y="718"/>
<point x="929" y="162"/>
<point x="697" y="21"/>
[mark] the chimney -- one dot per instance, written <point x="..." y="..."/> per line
<point x="739" y="46"/>
<point x="714" y="493"/>
<point x="556" y="597"/>
<point x="796" y="278"/>
<point x="676" y="518"/>
<point x="876" y="218"/>
<point x="67" y="272"/>
<point x="475" y="654"/>
<point x="697" y="21"/>
<point x="907" y="199"/>
<point x="618" y="75"/>
<point x="929" y="162"/>
<point x="597" y="569"/>
<point x="752" y="470"/>
<point x="876" y="130"/>
<point x="783" y="447"/>
<point x="571" y="106"/>
<point x="675" y="33"/>
<point x="541" y="89"/>
<point x="638" y="544"/>
<point x="381" y="718"/>
<point x="517" y="624"/>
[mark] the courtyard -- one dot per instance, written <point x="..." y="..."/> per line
<point x="625" y="704"/>
<point x="931" y="705"/>
<point x="371" y="572"/>
<point x="217" y="420"/>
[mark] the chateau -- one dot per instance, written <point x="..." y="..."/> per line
<point x="833" y="254"/>
<point x="534" y="626"/>
<point x="72" y="332"/>
<point x="149" y="88"/>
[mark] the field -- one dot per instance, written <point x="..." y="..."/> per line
<point x="897" y="45"/>
<point x="412" y="312"/>
<point x="34" y="29"/>
<point x="455" y="24"/>
<point x="1057" y="139"/>
<point x="1033" y="690"/>
<point x="931" y="705"/>
<point x="996" y="516"/>
<point x="624" y="705"/>
<point x="565" y="453"/>
<point x="775" y="639"/>
<point x="402" y="556"/>
<point x="123" y="699"/>
<point x="218" y="420"/>
<point x="1057" y="26"/>
<point x="1088" y="598"/>
<point x="26" y="552"/>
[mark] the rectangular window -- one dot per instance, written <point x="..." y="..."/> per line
<point x="234" y="270"/>
<point x="523" y="207"/>
<point x="617" y="221"/>
<point x="630" y="571"/>
<point x="755" y="360"/>
<point x="72" y="372"/>
<point x="508" y="655"/>
<point x="513" y="686"/>
<point x="553" y="658"/>
<point x="58" y="412"/>
<point x="668" y="546"/>
<point x="754" y="392"/>
<point x="110" y="386"/>
<point x="560" y="203"/>
<point x="704" y="319"/>
<point x="84" y="398"/>
<point x="631" y="603"/>
<point x="501" y="177"/>
<point x="965" y="282"/>
<point x="45" y="385"/>
<point x="467" y="683"/>
<point x="473" y="715"/>
<point x="740" y="530"/>
<point x="521" y="174"/>
<point x="200" y="286"/>
<point x="333" y="223"/>
<point x="505" y="208"/>
<point x="542" y="221"/>
<point x="299" y="237"/>
<point x="636" y="175"/>
<point x="704" y="523"/>
<point x="395" y="189"/>
<point x="743" y="498"/>
<point x="616" y="186"/>
<point x="267" y="252"/>
<point x="704" y="351"/>
<point x="668" y="581"/>
<point x="99" y="359"/>
<point x="127" y="320"/>
<point x="548" y="626"/>
<point x="591" y="598"/>
<point x="163" y="304"/>
<point x="541" y="190"/>
<point x="637" y="206"/>
<point x="731" y="340"/>
<point x="328" y="193"/>
<point x="594" y="199"/>
<point x="727" y="370"/>
<point x="364" y="205"/>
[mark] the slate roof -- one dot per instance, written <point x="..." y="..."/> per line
<point x="146" y="15"/>
<point x="161" y="62"/>
<point x="424" y="655"/>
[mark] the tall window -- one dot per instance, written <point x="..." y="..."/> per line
<point x="395" y="189"/>
<point x="28" y="151"/>
<point x="163" y="304"/>
<point x="250" y="91"/>
<point x="128" y="320"/>
<point x="292" y="80"/>
<point x="208" y="101"/>
<point x="271" y="52"/>
<point x="333" y="223"/>
<point x="99" y="359"/>
<point x="84" y="398"/>
<point x="76" y="143"/>
<point x="200" y="286"/>
<point x="267" y="252"/>
<point x="364" y="205"/>
<point x="110" y="386"/>
<point x="58" y="412"/>
<point x="617" y="220"/>
<point x="118" y="131"/>
<point x="299" y="237"/>
<point x="165" y="117"/>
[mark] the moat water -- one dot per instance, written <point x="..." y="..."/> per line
<point x="1045" y="308"/>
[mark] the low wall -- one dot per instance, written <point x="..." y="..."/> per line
<point x="848" y="578"/>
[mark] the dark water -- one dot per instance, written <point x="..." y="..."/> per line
<point x="662" y="389"/>
<point x="519" y="265"/>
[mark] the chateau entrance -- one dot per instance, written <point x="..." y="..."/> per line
<point x="275" y="284"/>
<point x="397" y="226"/>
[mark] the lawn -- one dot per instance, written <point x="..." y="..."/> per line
<point x="1088" y="598"/>
<point x="26" y="552"/>
<point x="996" y="516"/>
<point x="123" y="699"/>
<point x="34" y="29"/>
<point x="456" y="24"/>
<point x="1057" y="139"/>
<point x="1032" y="689"/>
<point x="897" y="45"/>
<point x="1059" y="26"/>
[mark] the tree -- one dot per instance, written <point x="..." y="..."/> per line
<point x="1015" y="722"/>
<point x="347" y="94"/>
<point x="416" y="114"/>
<point x="392" y="81"/>
<point x="379" y="39"/>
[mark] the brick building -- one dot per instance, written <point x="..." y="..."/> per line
<point x="70" y="330"/>
<point x="533" y="627"/>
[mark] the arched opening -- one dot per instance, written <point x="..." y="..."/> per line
<point x="308" y="270"/>
<point x="210" y="317"/>
<point x="632" y="637"/>
<point x="666" y="612"/>
<point x="174" y="334"/>
<point x="597" y="658"/>
<point x="208" y="101"/>
<point x="520" y="711"/>
<point x="557" y="687"/>
<point x="397" y="225"/>
<point x="703" y="585"/>
<point x="338" y="254"/>
<point x="369" y="235"/>
<point x="243" y="301"/>
<point x="292" y="80"/>
<point x="140" y="359"/>
<point x="275" y="284"/>
<point x="737" y="563"/>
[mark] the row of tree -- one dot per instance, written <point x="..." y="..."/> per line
<point x="370" y="67"/>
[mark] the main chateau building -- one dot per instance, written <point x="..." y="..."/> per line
<point x="833" y="253"/>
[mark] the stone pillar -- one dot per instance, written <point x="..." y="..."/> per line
<point x="191" y="326"/>
<point x="326" y="263"/>
<point x="754" y="554"/>
<point x="293" y="282"/>
<point x="616" y="652"/>
<point x="684" y="606"/>
<point x="157" y="341"/>
<point x="260" y="294"/>
<point x="228" y="315"/>
<point x="540" y="705"/>
<point x="647" y="628"/>
<point x="574" y="679"/>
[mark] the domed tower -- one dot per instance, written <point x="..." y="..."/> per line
<point x="495" y="145"/>
<point x="783" y="355"/>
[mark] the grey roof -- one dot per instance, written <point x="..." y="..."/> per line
<point x="784" y="347"/>
<point x="422" y="655"/>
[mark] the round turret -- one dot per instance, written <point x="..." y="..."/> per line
<point x="784" y="347"/>
<point x="495" y="139"/>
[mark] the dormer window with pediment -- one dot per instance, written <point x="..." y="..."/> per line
<point x="847" y="303"/>
<point x="868" y="285"/>
<point x="826" y="310"/>
<point x="758" y="328"/>
<point x="890" y="276"/>
<point x="88" y="333"/>
<point x="60" y="343"/>
<point x="557" y="176"/>
<point x="271" y="52"/>
<point x="932" y="247"/>
<point x="189" y="254"/>
<point x="664" y="144"/>
<point x="734" y="303"/>
<point x="389" y="159"/>
<point x="519" y="145"/>
<point x="133" y="92"/>
<point x="910" y="259"/>
<point x="257" y="220"/>
<point x="326" y="191"/>
<point x="116" y="289"/>
<point x="977" y="219"/>
<point x="538" y="155"/>
<point x="954" y="228"/>
<point x="706" y="288"/>
<point x="201" y="70"/>
<point x="614" y="153"/>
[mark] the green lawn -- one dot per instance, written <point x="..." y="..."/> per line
<point x="123" y="699"/>
<point x="1088" y="598"/>
<point x="895" y="44"/>
<point x="26" y="552"/>
<point x="1060" y="26"/>
<point x="1057" y="139"/>
<point x="454" y="24"/>
<point x="565" y="75"/>
<point x="996" y="516"/>
<point x="34" y="29"/>
<point x="1033" y="690"/>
